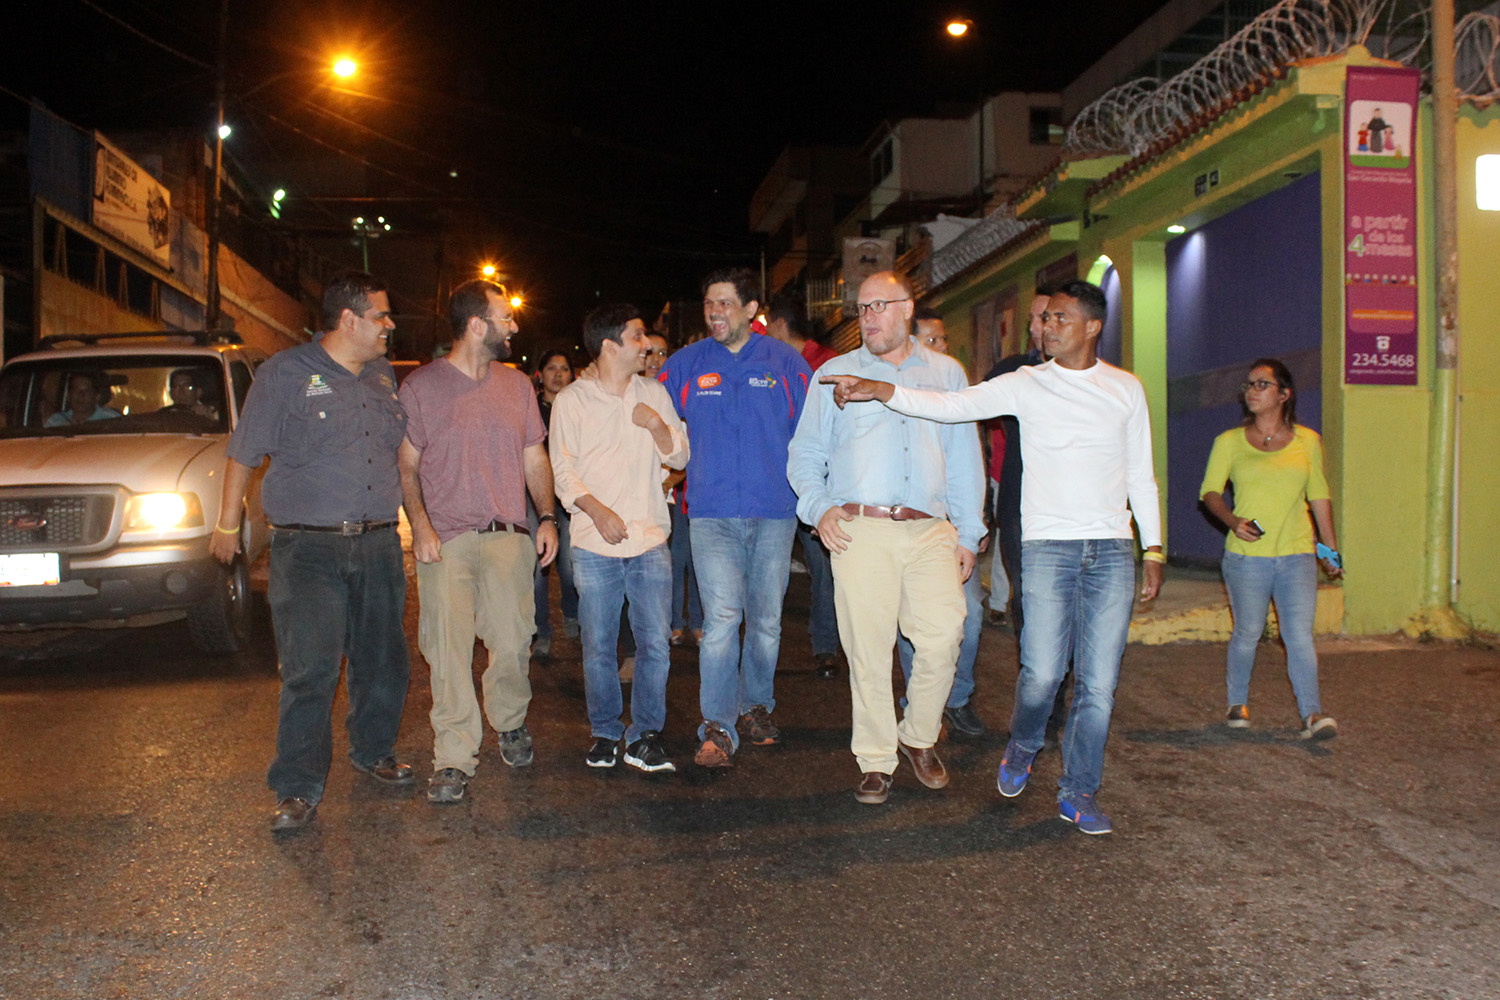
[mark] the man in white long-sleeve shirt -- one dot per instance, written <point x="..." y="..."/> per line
<point x="1086" y="444"/>
<point x="610" y="436"/>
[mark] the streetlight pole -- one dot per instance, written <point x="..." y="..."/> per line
<point x="212" y="314"/>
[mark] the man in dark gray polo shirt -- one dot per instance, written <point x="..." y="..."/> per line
<point x="326" y="413"/>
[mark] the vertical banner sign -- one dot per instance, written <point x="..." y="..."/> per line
<point x="1380" y="226"/>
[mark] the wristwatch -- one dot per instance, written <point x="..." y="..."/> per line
<point x="547" y="517"/>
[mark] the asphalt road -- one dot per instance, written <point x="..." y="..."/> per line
<point x="137" y="861"/>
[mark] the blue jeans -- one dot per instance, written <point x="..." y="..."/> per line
<point x="334" y="596"/>
<point x="1292" y="582"/>
<point x="963" y="679"/>
<point x="1077" y="599"/>
<point x="683" y="574"/>
<point x="603" y="583"/>
<point x="743" y="566"/>
<point x="563" y="566"/>
<point x="822" y="620"/>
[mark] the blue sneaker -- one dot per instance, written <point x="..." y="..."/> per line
<point x="1015" y="768"/>
<point x="1083" y="812"/>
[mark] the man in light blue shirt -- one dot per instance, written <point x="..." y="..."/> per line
<point x="897" y="501"/>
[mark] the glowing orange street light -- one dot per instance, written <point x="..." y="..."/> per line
<point x="959" y="28"/>
<point x="345" y="67"/>
<point x="516" y="301"/>
<point x="488" y="270"/>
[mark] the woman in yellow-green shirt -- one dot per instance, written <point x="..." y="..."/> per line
<point x="1271" y="553"/>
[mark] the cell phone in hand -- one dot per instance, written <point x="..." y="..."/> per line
<point x="1256" y="525"/>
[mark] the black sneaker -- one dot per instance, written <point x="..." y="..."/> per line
<point x="604" y="753"/>
<point x="964" y="720"/>
<point x="646" y="754"/>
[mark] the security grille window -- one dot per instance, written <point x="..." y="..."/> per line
<point x="1046" y="127"/>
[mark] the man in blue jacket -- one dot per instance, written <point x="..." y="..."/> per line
<point x="741" y="396"/>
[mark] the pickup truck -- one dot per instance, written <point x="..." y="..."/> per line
<point x="111" y="461"/>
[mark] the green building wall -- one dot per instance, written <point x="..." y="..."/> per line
<point x="1375" y="437"/>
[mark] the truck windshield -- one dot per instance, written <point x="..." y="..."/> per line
<point x="153" y="394"/>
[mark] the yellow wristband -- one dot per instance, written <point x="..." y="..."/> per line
<point x="227" y="531"/>
<point x="1156" y="557"/>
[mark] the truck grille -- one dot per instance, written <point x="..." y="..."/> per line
<point x="55" y="522"/>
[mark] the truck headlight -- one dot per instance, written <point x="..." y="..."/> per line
<point x="162" y="512"/>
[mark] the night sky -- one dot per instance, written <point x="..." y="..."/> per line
<point x="602" y="149"/>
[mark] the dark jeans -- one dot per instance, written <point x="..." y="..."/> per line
<point x="563" y="566"/>
<point x="682" y="573"/>
<point x="334" y="596"/>
<point x="822" y="622"/>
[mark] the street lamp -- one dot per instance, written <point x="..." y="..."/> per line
<point x="366" y="230"/>
<point x="213" y="315"/>
<point x="960" y="28"/>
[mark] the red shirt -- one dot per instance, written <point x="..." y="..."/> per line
<point x="815" y="354"/>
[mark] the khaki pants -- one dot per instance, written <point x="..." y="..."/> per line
<point x="898" y="573"/>
<point x="481" y="587"/>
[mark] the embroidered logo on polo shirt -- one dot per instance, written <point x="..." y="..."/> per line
<point x="317" y="387"/>
<point x="709" y="381"/>
<point x="767" y="381"/>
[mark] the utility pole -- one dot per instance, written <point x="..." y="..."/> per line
<point x="212" y="314"/>
<point x="1437" y="616"/>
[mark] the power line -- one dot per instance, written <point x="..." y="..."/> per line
<point x="145" y="37"/>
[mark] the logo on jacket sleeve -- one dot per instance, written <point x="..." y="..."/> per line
<point x="709" y="381"/>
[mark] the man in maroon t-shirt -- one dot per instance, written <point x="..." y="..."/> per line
<point x="473" y="436"/>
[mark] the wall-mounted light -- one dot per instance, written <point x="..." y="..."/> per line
<point x="1487" y="182"/>
<point x="1176" y="229"/>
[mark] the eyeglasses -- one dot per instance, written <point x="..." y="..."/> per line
<point x="1260" y="383"/>
<point x="877" y="307"/>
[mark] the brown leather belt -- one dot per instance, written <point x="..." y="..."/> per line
<point x="498" y="525"/>
<point x="896" y="513"/>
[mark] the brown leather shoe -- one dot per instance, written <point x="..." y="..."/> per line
<point x="387" y="771"/>
<point x="293" y="814"/>
<point x="874" y="789"/>
<point x="930" y="770"/>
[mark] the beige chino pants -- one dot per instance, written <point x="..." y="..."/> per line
<point x="481" y="587"/>
<point x="898" y="573"/>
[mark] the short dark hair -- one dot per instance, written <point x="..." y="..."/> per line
<point x="925" y="312"/>
<point x="746" y="284"/>
<point x="1089" y="296"/>
<point x="349" y="290"/>
<point x="607" y="322"/>
<point x="791" y="308"/>
<point x="470" y="300"/>
<point x="1284" y="377"/>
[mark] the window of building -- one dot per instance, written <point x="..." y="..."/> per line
<point x="883" y="162"/>
<point x="1046" y="127"/>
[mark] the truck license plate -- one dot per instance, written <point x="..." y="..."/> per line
<point x="30" y="569"/>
